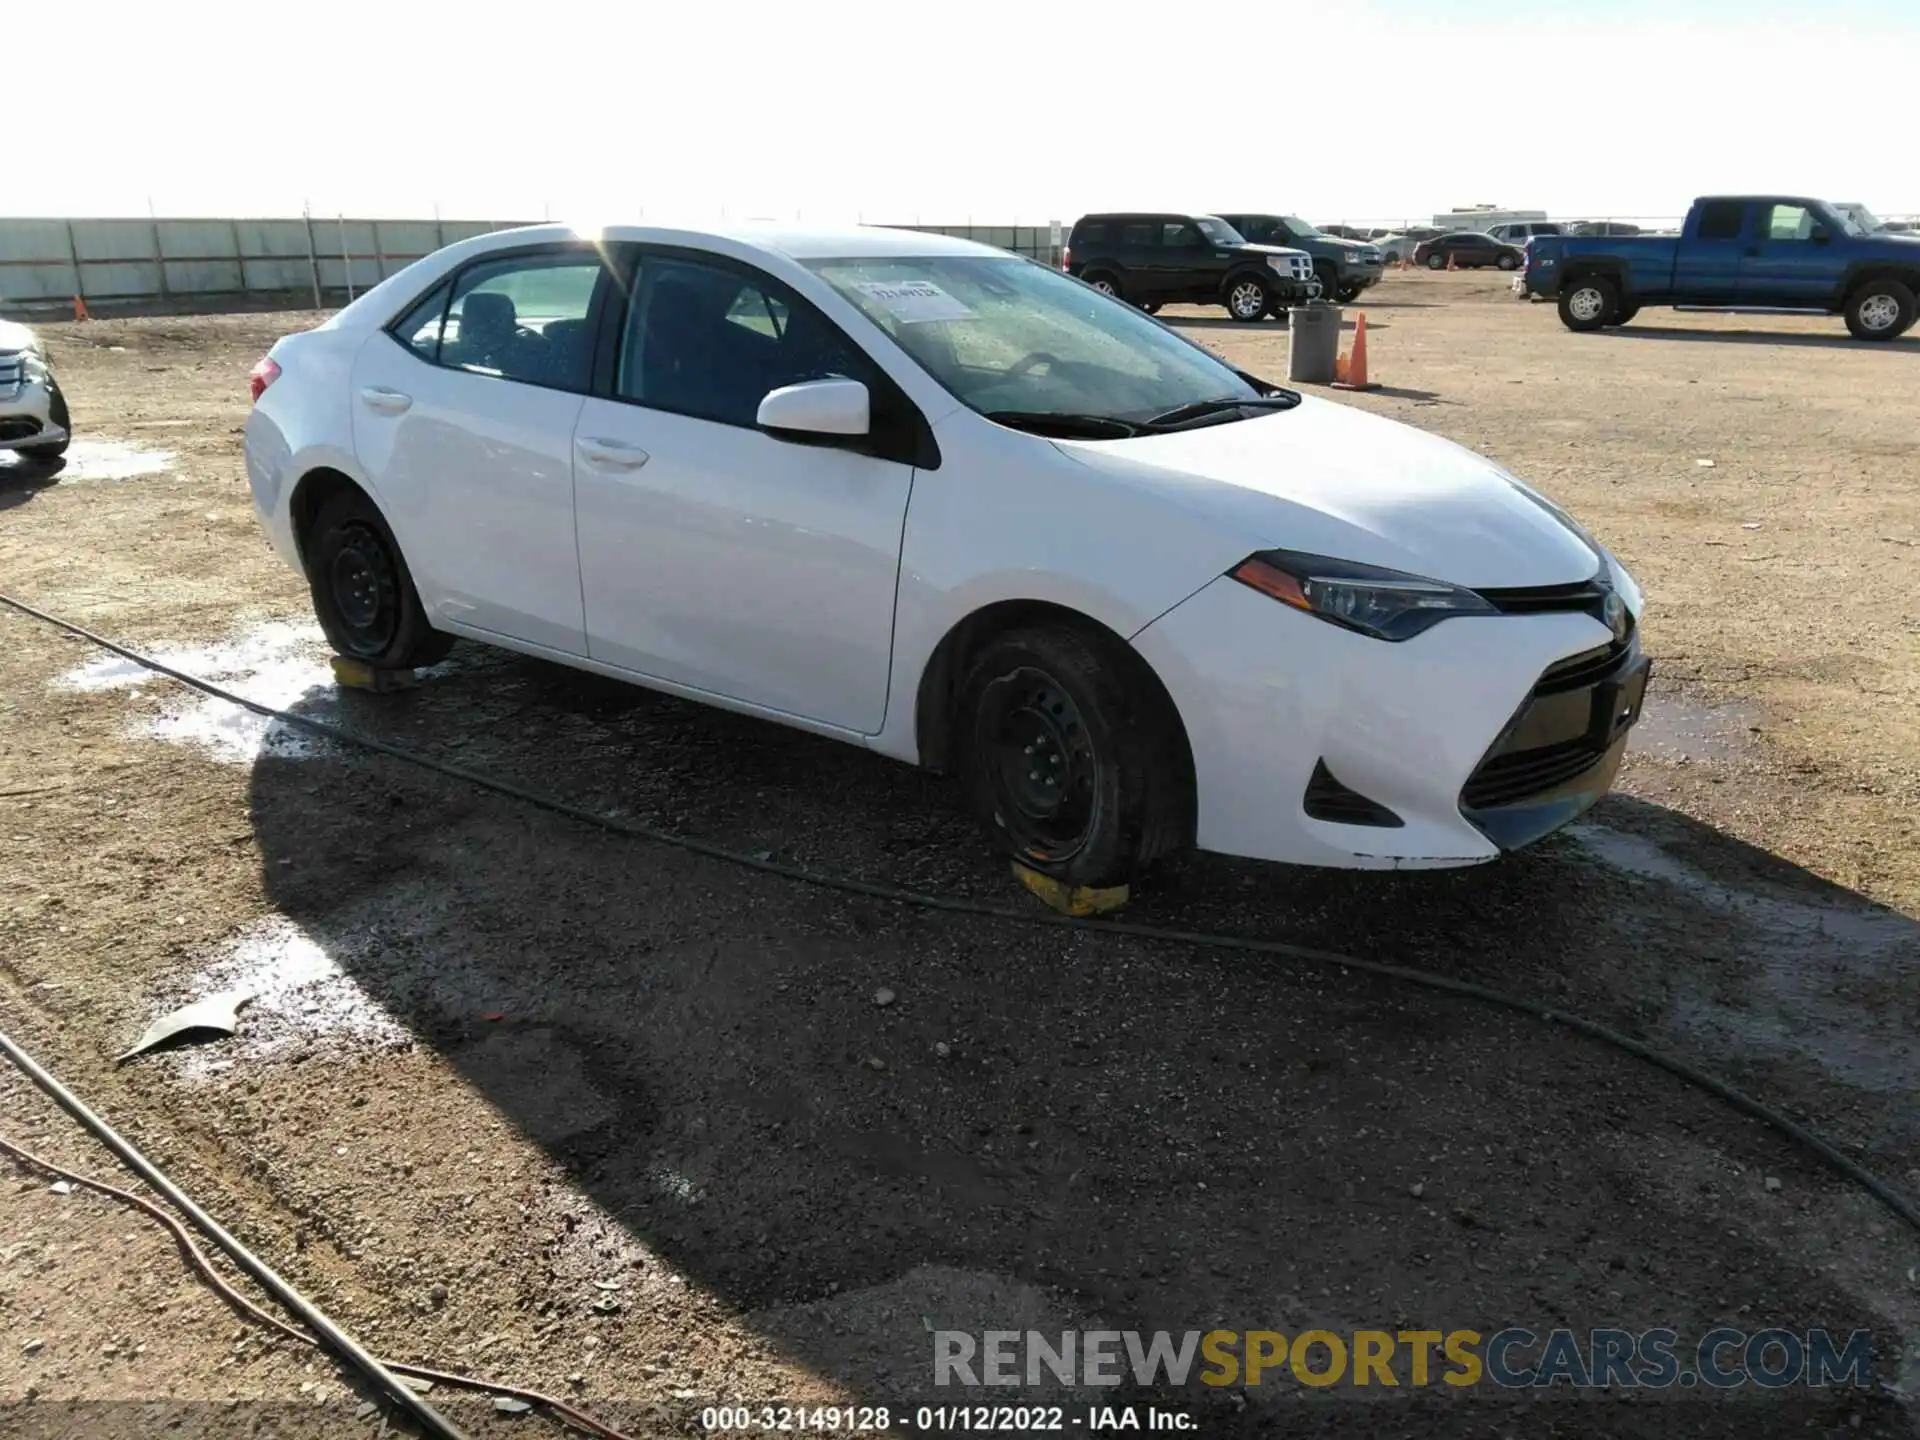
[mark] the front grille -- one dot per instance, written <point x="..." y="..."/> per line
<point x="20" y="427"/>
<point x="1584" y="597"/>
<point x="1328" y="799"/>
<point x="1506" y="779"/>
<point x="11" y="368"/>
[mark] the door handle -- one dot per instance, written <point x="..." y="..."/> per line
<point x="611" y="453"/>
<point x="387" y="402"/>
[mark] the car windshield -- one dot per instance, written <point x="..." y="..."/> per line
<point x="1007" y="336"/>
<point x="1219" y="232"/>
<point x="1298" y="228"/>
<point x="1856" y="219"/>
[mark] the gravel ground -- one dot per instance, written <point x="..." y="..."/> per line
<point x="625" y="1123"/>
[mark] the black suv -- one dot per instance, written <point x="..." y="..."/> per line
<point x="1152" y="259"/>
<point x="1344" y="267"/>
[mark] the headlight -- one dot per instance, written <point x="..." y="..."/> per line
<point x="1385" y="604"/>
<point x="1279" y="262"/>
<point x="34" y="366"/>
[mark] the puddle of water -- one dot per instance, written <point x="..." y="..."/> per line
<point x="1674" y="727"/>
<point x="1818" y="970"/>
<point x="280" y="663"/>
<point x="101" y="460"/>
<point x="301" y="993"/>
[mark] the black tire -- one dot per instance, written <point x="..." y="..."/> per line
<point x="1248" y="298"/>
<point x="1436" y="261"/>
<point x="1347" y="294"/>
<point x="1588" y="303"/>
<point x="1105" y="283"/>
<point x="51" y="449"/>
<point x="1054" y="700"/>
<point x="1623" y="313"/>
<point x="1507" y="262"/>
<point x="363" y="593"/>
<point x="1880" y="310"/>
<point x="1329" y="279"/>
<point x="1152" y="307"/>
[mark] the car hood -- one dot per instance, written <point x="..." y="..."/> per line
<point x="14" y="336"/>
<point x="1252" y="248"/>
<point x="1328" y="479"/>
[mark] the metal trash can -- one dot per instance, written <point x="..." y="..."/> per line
<point x="1313" y="342"/>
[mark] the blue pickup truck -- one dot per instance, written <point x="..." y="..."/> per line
<point x="1738" y="252"/>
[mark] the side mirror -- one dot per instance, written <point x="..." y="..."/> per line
<point x="1821" y="235"/>
<point x="817" y="409"/>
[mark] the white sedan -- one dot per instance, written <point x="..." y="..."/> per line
<point x="930" y="498"/>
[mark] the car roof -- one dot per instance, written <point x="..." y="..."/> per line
<point x="1761" y="199"/>
<point x="793" y="242"/>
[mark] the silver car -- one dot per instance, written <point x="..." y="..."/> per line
<point x="33" y="412"/>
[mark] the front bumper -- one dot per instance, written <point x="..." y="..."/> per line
<point x="1270" y="696"/>
<point x="1364" y="276"/>
<point x="26" y="413"/>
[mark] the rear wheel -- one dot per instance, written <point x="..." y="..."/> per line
<point x="1588" y="304"/>
<point x="1248" y="298"/>
<point x="1069" y="757"/>
<point x="1880" y="310"/>
<point x="363" y="594"/>
<point x="1105" y="284"/>
<point x="1436" y="261"/>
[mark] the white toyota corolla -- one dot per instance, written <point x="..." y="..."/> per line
<point x="927" y="497"/>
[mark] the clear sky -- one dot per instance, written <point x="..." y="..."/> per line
<point x="991" y="110"/>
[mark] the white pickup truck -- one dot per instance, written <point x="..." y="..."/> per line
<point x="33" y="413"/>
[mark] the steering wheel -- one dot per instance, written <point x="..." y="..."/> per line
<point x="1031" y="361"/>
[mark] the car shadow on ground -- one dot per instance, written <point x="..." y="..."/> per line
<point x="21" y="478"/>
<point x="1038" y="1128"/>
<point x="1208" y="322"/>
<point x="1841" y="341"/>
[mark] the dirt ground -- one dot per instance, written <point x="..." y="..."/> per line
<point x="631" y="1125"/>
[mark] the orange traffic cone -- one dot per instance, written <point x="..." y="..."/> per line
<point x="1355" y="367"/>
<point x="80" y="309"/>
<point x="1452" y="261"/>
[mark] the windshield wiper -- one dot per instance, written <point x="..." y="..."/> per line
<point x="1197" y="409"/>
<point x="1066" y="425"/>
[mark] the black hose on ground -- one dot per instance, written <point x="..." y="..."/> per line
<point x="1814" y="1144"/>
<point x="311" y="1315"/>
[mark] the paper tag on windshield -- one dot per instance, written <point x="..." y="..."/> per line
<point x="914" y="301"/>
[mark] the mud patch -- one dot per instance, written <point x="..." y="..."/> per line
<point x="281" y="664"/>
<point x="1677" y="727"/>
<point x="1824" y="979"/>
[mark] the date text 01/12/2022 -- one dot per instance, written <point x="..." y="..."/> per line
<point x="943" y="1419"/>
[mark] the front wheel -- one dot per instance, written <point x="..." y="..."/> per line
<point x="1624" y="314"/>
<point x="1880" y="310"/>
<point x="1069" y="757"/>
<point x="1152" y="307"/>
<point x="1436" y="262"/>
<point x="1248" y="299"/>
<point x="363" y="594"/>
<point x="1587" y="304"/>
<point x="1347" y="294"/>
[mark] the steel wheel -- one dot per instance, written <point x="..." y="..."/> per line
<point x="1041" y="764"/>
<point x="366" y="589"/>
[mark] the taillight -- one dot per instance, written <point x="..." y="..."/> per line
<point x="1066" y="257"/>
<point x="261" y="376"/>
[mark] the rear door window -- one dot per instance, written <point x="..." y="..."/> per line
<point x="1720" y="219"/>
<point x="524" y="318"/>
<point x="1137" y="237"/>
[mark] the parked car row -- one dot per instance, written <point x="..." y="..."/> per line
<point x="1468" y="250"/>
<point x="1255" y="265"/>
